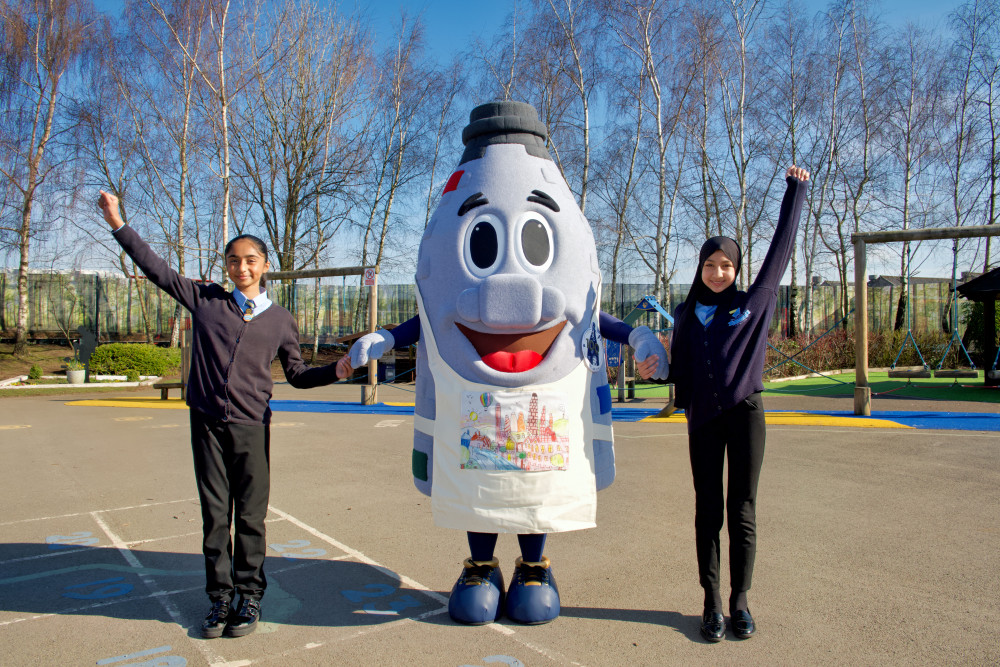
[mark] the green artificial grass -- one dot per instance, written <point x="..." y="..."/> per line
<point x="938" y="389"/>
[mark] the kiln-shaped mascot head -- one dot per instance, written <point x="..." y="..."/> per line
<point x="507" y="268"/>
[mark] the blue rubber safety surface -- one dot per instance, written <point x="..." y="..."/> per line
<point x="959" y="421"/>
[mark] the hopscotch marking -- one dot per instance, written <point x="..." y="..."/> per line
<point x="360" y="556"/>
<point x="87" y="513"/>
<point x="205" y="648"/>
<point x="164" y="600"/>
<point x="133" y="656"/>
<point x="502" y="629"/>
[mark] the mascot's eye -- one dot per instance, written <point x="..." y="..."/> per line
<point x="536" y="245"/>
<point x="535" y="242"/>
<point x="482" y="245"/>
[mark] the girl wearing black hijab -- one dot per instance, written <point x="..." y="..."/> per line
<point x="717" y="365"/>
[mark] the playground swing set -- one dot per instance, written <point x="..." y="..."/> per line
<point x="862" y="388"/>
<point x="923" y="371"/>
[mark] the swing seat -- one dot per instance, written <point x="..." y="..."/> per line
<point x="993" y="375"/>
<point x="909" y="372"/>
<point x="957" y="373"/>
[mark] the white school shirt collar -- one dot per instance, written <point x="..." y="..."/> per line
<point x="260" y="302"/>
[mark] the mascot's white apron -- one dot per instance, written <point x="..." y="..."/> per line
<point x="511" y="460"/>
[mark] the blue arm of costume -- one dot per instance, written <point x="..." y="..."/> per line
<point x="407" y="333"/>
<point x="374" y="345"/>
<point x="613" y="328"/>
<point x="642" y="339"/>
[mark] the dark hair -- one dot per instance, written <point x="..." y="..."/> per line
<point x="260" y="245"/>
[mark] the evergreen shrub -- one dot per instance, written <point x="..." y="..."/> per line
<point x="142" y="358"/>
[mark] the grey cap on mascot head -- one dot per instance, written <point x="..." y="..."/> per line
<point x="507" y="255"/>
<point x="504" y="123"/>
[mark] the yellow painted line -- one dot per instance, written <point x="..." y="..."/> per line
<point x="144" y="402"/>
<point x="803" y="419"/>
<point x="400" y="405"/>
<point x="13" y="427"/>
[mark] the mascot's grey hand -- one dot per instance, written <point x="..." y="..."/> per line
<point x="645" y="343"/>
<point x="371" y="346"/>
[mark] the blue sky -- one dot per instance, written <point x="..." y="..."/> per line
<point x="452" y="25"/>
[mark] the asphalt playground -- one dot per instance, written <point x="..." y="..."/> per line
<point x="879" y="541"/>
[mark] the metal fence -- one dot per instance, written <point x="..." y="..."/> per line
<point x="118" y="308"/>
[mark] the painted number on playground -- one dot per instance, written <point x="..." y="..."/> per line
<point x="500" y="659"/>
<point x="296" y="549"/>
<point x="158" y="661"/>
<point x="379" y="591"/>
<point x="98" y="590"/>
<point x="79" y="539"/>
<point x="369" y="277"/>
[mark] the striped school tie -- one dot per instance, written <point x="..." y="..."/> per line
<point x="248" y="311"/>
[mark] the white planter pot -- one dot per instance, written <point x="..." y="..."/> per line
<point x="76" y="376"/>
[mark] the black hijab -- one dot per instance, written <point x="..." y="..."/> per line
<point x="702" y="293"/>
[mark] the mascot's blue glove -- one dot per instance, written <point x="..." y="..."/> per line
<point x="371" y="346"/>
<point x="645" y="343"/>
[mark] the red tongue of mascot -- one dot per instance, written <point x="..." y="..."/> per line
<point x="512" y="362"/>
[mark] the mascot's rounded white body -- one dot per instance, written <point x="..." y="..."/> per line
<point x="513" y="409"/>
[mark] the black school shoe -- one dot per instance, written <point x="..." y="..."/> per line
<point x="215" y="622"/>
<point x="713" y="626"/>
<point x="742" y="624"/>
<point x="244" y="618"/>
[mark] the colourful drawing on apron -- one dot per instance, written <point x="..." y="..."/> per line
<point x="514" y="430"/>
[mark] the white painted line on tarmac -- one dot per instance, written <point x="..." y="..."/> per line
<point x="135" y="543"/>
<point x="106" y="603"/>
<point x="168" y="604"/>
<point x="502" y="629"/>
<point x="360" y="556"/>
<point x="50" y="555"/>
<point x="216" y="660"/>
<point x="114" y="509"/>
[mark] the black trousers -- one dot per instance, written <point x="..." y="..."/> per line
<point x="738" y="433"/>
<point x="232" y="468"/>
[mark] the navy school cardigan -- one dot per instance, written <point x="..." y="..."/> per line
<point x="230" y="377"/>
<point x="716" y="367"/>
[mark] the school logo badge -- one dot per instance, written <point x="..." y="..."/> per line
<point x="737" y="317"/>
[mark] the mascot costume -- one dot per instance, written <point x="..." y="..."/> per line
<point x="512" y="427"/>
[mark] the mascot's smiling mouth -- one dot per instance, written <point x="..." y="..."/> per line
<point x="512" y="353"/>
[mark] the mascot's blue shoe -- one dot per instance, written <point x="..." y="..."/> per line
<point x="532" y="597"/>
<point x="477" y="596"/>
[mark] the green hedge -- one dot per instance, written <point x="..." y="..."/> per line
<point x="141" y="358"/>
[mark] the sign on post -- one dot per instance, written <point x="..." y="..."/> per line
<point x="614" y="351"/>
<point x="369" y="277"/>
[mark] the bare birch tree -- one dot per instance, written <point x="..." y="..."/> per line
<point x="646" y="35"/>
<point x="914" y="99"/>
<point x="41" y="41"/>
